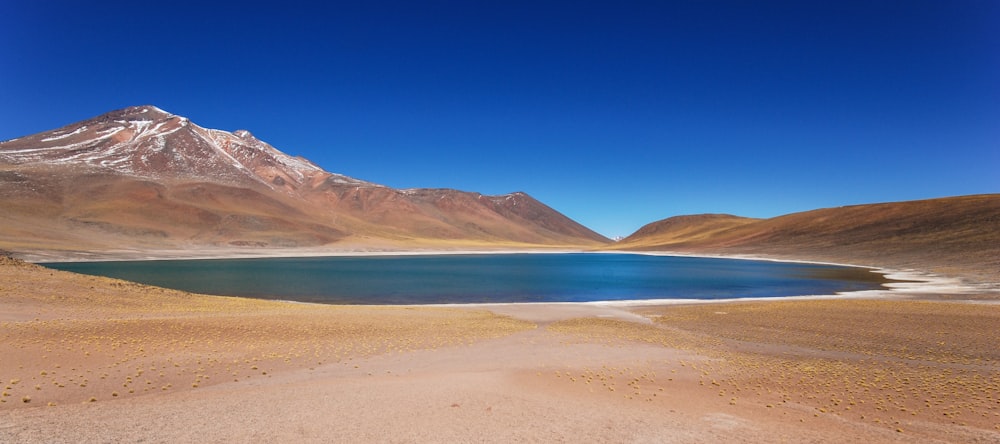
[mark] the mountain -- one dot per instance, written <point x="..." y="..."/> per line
<point x="945" y="234"/>
<point x="142" y="178"/>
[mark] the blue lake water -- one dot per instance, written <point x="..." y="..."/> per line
<point x="433" y="279"/>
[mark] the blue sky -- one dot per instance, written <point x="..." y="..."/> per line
<point x="615" y="113"/>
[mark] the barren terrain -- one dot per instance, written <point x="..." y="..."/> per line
<point x="142" y="179"/>
<point x="955" y="236"/>
<point x="91" y="359"/>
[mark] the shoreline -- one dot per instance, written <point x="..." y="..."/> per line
<point x="184" y="255"/>
<point x="97" y="359"/>
<point x="907" y="282"/>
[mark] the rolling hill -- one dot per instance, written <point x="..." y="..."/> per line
<point x="945" y="234"/>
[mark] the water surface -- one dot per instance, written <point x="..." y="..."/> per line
<point x="432" y="279"/>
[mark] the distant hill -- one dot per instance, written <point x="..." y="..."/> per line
<point x="946" y="234"/>
<point x="683" y="230"/>
<point x="142" y="178"/>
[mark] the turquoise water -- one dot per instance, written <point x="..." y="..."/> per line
<point x="567" y="277"/>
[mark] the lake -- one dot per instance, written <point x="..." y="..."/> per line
<point x="476" y="278"/>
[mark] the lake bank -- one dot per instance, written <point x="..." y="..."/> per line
<point x="925" y="276"/>
<point x="489" y="278"/>
<point x="220" y="369"/>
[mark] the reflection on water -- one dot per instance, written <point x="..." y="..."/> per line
<point x="845" y="274"/>
<point x="488" y="278"/>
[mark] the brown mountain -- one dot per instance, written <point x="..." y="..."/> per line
<point x="945" y="234"/>
<point x="142" y="178"/>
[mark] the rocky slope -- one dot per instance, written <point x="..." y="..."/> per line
<point x="141" y="178"/>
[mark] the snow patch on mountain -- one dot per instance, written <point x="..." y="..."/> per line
<point x="63" y="136"/>
<point x="109" y="131"/>
<point x="346" y="180"/>
<point x="145" y="141"/>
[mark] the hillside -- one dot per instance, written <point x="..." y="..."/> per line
<point x="144" y="179"/>
<point x="683" y="230"/>
<point x="946" y="234"/>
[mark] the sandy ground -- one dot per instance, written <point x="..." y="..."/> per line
<point x="89" y="359"/>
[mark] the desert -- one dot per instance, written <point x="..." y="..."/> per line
<point x="548" y="221"/>
<point x="92" y="359"/>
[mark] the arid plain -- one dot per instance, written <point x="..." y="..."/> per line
<point x="90" y="359"/>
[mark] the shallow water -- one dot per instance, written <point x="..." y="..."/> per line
<point x="433" y="279"/>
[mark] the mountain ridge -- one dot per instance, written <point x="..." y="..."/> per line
<point x="141" y="177"/>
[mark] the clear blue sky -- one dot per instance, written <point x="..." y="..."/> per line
<point x="615" y="113"/>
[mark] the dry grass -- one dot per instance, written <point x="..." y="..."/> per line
<point x="682" y="230"/>
<point x="73" y="338"/>
<point x="955" y="236"/>
<point x="919" y="370"/>
<point x="939" y="332"/>
<point x="911" y="366"/>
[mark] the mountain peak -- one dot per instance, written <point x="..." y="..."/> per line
<point x="132" y="113"/>
<point x="147" y="141"/>
<point x="141" y="174"/>
<point x="244" y="134"/>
